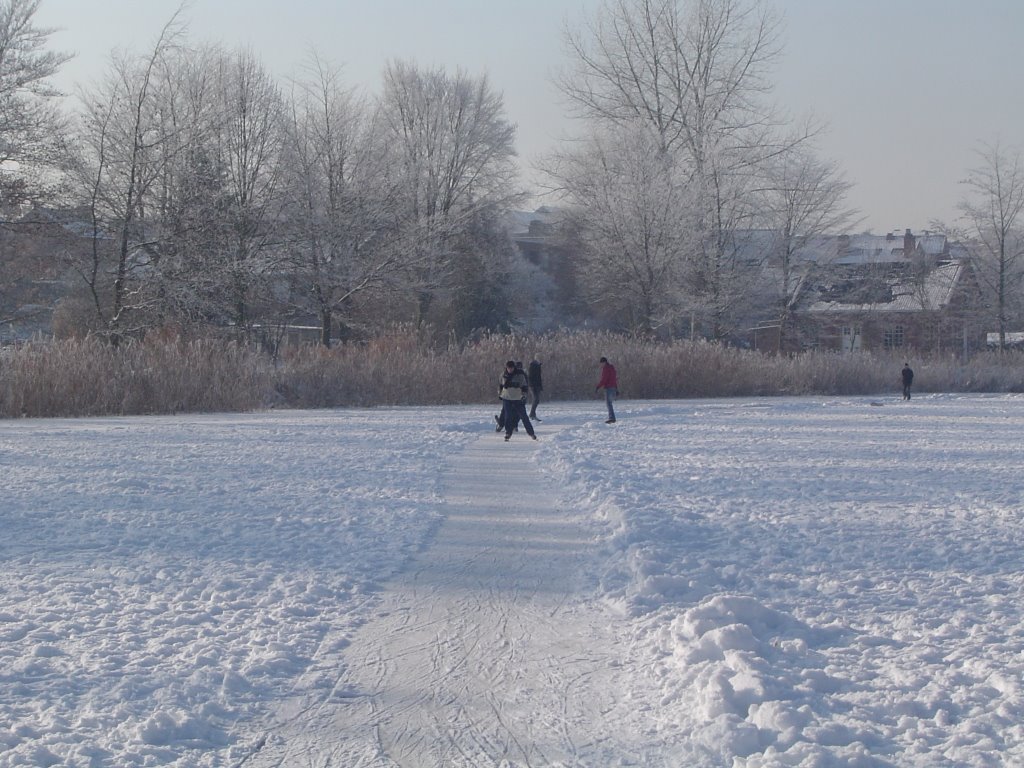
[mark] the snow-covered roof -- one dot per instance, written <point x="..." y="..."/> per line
<point x="864" y="248"/>
<point x="74" y="222"/>
<point x="820" y="249"/>
<point x="871" y="249"/>
<point x="933" y="292"/>
<point x="757" y="245"/>
<point x="867" y="248"/>
<point x="932" y="245"/>
<point x="521" y="223"/>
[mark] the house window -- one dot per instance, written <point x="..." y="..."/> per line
<point x="893" y="337"/>
<point x="851" y="338"/>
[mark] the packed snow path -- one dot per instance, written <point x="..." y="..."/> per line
<point x="486" y="650"/>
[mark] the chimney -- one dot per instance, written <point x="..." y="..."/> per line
<point x="909" y="246"/>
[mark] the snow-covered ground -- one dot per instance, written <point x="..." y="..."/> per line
<point x="811" y="581"/>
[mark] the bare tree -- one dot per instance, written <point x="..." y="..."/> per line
<point x="248" y="144"/>
<point x="337" y="181"/>
<point x="178" y="160"/>
<point x="116" y="162"/>
<point x="631" y="215"/>
<point x="29" y="132"/>
<point x="992" y="217"/>
<point x="28" y="118"/>
<point x="452" y="160"/>
<point x="804" y="199"/>
<point x="696" y="74"/>
<point x="208" y="226"/>
<point x="183" y="218"/>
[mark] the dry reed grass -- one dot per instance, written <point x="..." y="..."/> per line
<point x="169" y="375"/>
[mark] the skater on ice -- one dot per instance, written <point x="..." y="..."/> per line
<point x="536" y="386"/>
<point x="512" y="388"/>
<point x="500" y="417"/>
<point x="908" y="379"/>
<point x="609" y="382"/>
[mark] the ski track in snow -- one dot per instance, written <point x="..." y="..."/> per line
<point x="486" y="650"/>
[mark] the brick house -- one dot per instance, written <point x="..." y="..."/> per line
<point x="885" y="292"/>
<point x="37" y="248"/>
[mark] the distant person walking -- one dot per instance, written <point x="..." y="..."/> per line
<point x="536" y="386"/>
<point x="908" y="379"/>
<point x="609" y="382"/>
<point x="512" y="387"/>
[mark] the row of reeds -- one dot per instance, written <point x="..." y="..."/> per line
<point x="170" y="375"/>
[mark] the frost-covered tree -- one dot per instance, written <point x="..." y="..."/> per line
<point x="339" y="196"/>
<point x="993" y="220"/>
<point x="28" y="117"/>
<point x="248" y="143"/>
<point x="633" y="217"/>
<point x="114" y="164"/>
<point x="693" y="71"/>
<point x="451" y="154"/>
<point x="177" y="163"/>
<point x="29" y="131"/>
<point x="695" y="74"/>
<point x="208" y="223"/>
<point x="181" y="214"/>
<point x="803" y="199"/>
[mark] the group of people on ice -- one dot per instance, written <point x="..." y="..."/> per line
<point x="516" y="383"/>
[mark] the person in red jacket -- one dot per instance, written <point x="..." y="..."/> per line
<point x="610" y="384"/>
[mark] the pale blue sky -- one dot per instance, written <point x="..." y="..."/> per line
<point x="908" y="87"/>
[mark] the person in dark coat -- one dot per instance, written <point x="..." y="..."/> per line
<point x="908" y="379"/>
<point x="536" y="386"/>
